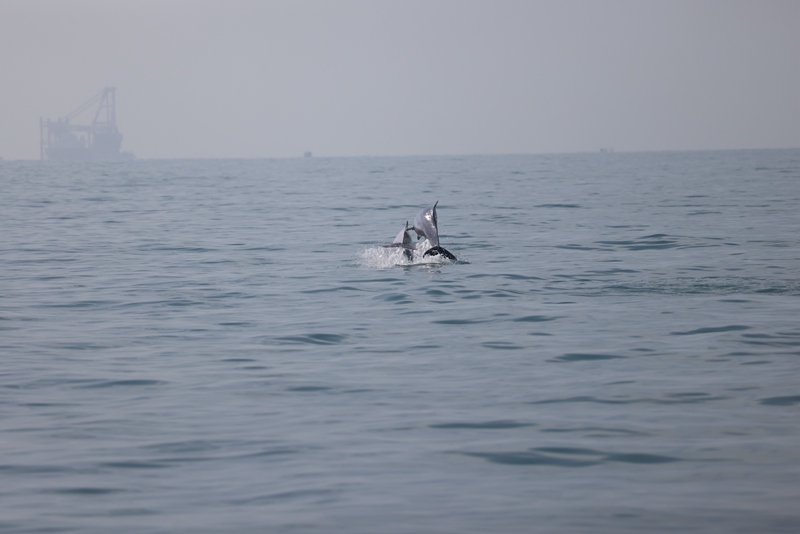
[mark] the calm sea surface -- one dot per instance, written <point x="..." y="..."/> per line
<point x="223" y="345"/>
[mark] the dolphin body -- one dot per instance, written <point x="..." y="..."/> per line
<point x="426" y="225"/>
<point x="403" y="240"/>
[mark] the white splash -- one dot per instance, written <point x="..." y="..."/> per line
<point x="385" y="258"/>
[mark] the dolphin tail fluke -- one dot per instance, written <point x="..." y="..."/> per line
<point x="437" y="250"/>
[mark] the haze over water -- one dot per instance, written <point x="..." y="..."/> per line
<point x="252" y="78"/>
<point x="206" y="346"/>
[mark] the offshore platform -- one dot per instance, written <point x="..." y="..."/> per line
<point x="61" y="140"/>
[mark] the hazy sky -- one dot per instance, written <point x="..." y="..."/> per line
<point x="239" y="78"/>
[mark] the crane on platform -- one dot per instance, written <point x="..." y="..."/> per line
<point x="99" y="140"/>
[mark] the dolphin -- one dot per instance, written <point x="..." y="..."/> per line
<point x="403" y="240"/>
<point x="426" y="225"/>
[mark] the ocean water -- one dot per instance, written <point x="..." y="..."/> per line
<point x="224" y="346"/>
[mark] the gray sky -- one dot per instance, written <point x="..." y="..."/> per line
<point x="239" y="78"/>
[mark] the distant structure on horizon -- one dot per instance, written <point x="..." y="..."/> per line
<point x="60" y="140"/>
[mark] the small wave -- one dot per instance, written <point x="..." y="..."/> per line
<point x="134" y="464"/>
<point x="312" y="339"/>
<point x="313" y="494"/>
<point x="486" y="425"/>
<point x="330" y="289"/>
<point x="534" y="319"/>
<point x="597" y="431"/>
<point x="84" y="491"/>
<point x="710" y="286"/>
<point x="672" y="399"/>
<point x="501" y="345"/>
<point x="460" y="321"/>
<point x="570" y="457"/>
<point x="779" y="339"/>
<point x="648" y="242"/>
<point x="781" y="401"/>
<point x="123" y="383"/>
<point x="392" y="297"/>
<point x="585" y="357"/>
<point x="712" y="330"/>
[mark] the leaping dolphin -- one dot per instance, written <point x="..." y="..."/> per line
<point x="426" y="225"/>
<point x="403" y="240"/>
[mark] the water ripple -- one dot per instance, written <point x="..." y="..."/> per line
<point x="123" y="383"/>
<point x="569" y="457"/>
<point x="585" y="357"/>
<point x="781" y="401"/>
<point x="535" y="319"/>
<point x="712" y="330"/>
<point x="501" y="345"/>
<point x="311" y="339"/>
<point x="486" y="425"/>
<point x="89" y="491"/>
<point x="673" y="399"/>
